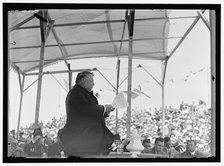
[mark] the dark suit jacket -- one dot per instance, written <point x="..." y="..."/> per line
<point x="153" y="151"/>
<point x="85" y="132"/>
<point x="197" y="154"/>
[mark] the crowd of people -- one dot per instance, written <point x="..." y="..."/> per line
<point x="189" y="122"/>
<point x="89" y="130"/>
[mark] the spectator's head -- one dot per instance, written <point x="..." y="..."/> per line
<point x="117" y="139"/>
<point x="21" y="134"/>
<point x="146" y="143"/>
<point x="37" y="135"/>
<point x="13" y="133"/>
<point x="167" y="142"/>
<point x="85" y="79"/>
<point x="37" y="131"/>
<point x="191" y="145"/>
<point x="159" y="144"/>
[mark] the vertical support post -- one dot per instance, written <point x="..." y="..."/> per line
<point x="163" y="113"/>
<point x="130" y="52"/>
<point x="39" y="83"/>
<point x="20" y="103"/>
<point x="213" y="80"/>
<point x="118" y="67"/>
<point x="118" y="75"/>
<point x="69" y="77"/>
<point x="164" y="67"/>
<point x="43" y="39"/>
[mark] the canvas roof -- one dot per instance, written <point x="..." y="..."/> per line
<point x="86" y="33"/>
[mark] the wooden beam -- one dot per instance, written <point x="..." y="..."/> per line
<point x="71" y="57"/>
<point x="58" y="72"/>
<point x="185" y="35"/>
<point x="203" y="18"/>
<point x="41" y="65"/>
<point x="102" y="22"/>
<point x="212" y="16"/>
<point x="97" y="42"/>
<point x="150" y="75"/>
<point x="21" y="83"/>
<point x="130" y="52"/>
<point x="21" y="23"/>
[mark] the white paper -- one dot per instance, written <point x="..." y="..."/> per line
<point x="119" y="101"/>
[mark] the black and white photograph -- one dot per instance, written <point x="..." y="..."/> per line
<point x="111" y="83"/>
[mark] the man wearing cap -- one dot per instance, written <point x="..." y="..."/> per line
<point x="85" y="133"/>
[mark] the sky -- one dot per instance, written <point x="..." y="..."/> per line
<point x="192" y="56"/>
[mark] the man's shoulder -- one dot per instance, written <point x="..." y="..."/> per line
<point x="199" y="154"/>
<point x="152" y="150"/>
<point x="76" y="90"/>
<point x="185" y="154"/>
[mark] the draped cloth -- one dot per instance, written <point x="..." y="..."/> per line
<point x="85" y="133"/>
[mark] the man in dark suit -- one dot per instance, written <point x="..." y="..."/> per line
<point x="158" y="147"/>
<point x="85" y="133"/>
<point x="191" y="151"/>
<point x="169" y="149"/>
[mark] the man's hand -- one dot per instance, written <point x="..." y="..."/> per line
<point x="109" y="108"/>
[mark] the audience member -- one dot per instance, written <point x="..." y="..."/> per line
<point x="55" y="149"/>
<point x="169" y="149"/>
<point x="147" y="145"/>
<point x="158" y="147"/>
<point x="35" y="147"/>
<point x="191" y="151"/>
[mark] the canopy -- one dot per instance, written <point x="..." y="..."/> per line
<point x="75" y="34"/>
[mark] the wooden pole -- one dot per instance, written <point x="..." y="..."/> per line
<point x="118" y="75"/>
<point x="163" y="111"/>
<point x="213" y="81"/>
<point x="43" y="39"/>
<point x="39" y="84"/>
<point x="118" y="67"/>
<point x="20" y="104"/>
<point x="69" y="77"/>
<point x="130" y="52"/>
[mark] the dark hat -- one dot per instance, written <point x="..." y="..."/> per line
<point x="37" y="131"/>
<point x="116" y="137"/>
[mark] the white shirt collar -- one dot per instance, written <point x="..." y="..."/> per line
<point x="192" y="153"/>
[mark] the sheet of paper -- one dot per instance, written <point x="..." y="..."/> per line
<point x="119" y="101"/>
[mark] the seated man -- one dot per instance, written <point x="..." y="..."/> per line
<point x="147" y="145"/>
<point x="169" y="149"/>
<point x="158" y="148"/>
<point x="191" y="151"/>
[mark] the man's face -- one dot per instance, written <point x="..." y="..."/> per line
<point x="191" y="146"/>
<point x="168" y="144"/>
<point x="147" y="145"/>
<point x="159" y="146"/>
<point x="88" y="82"/>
